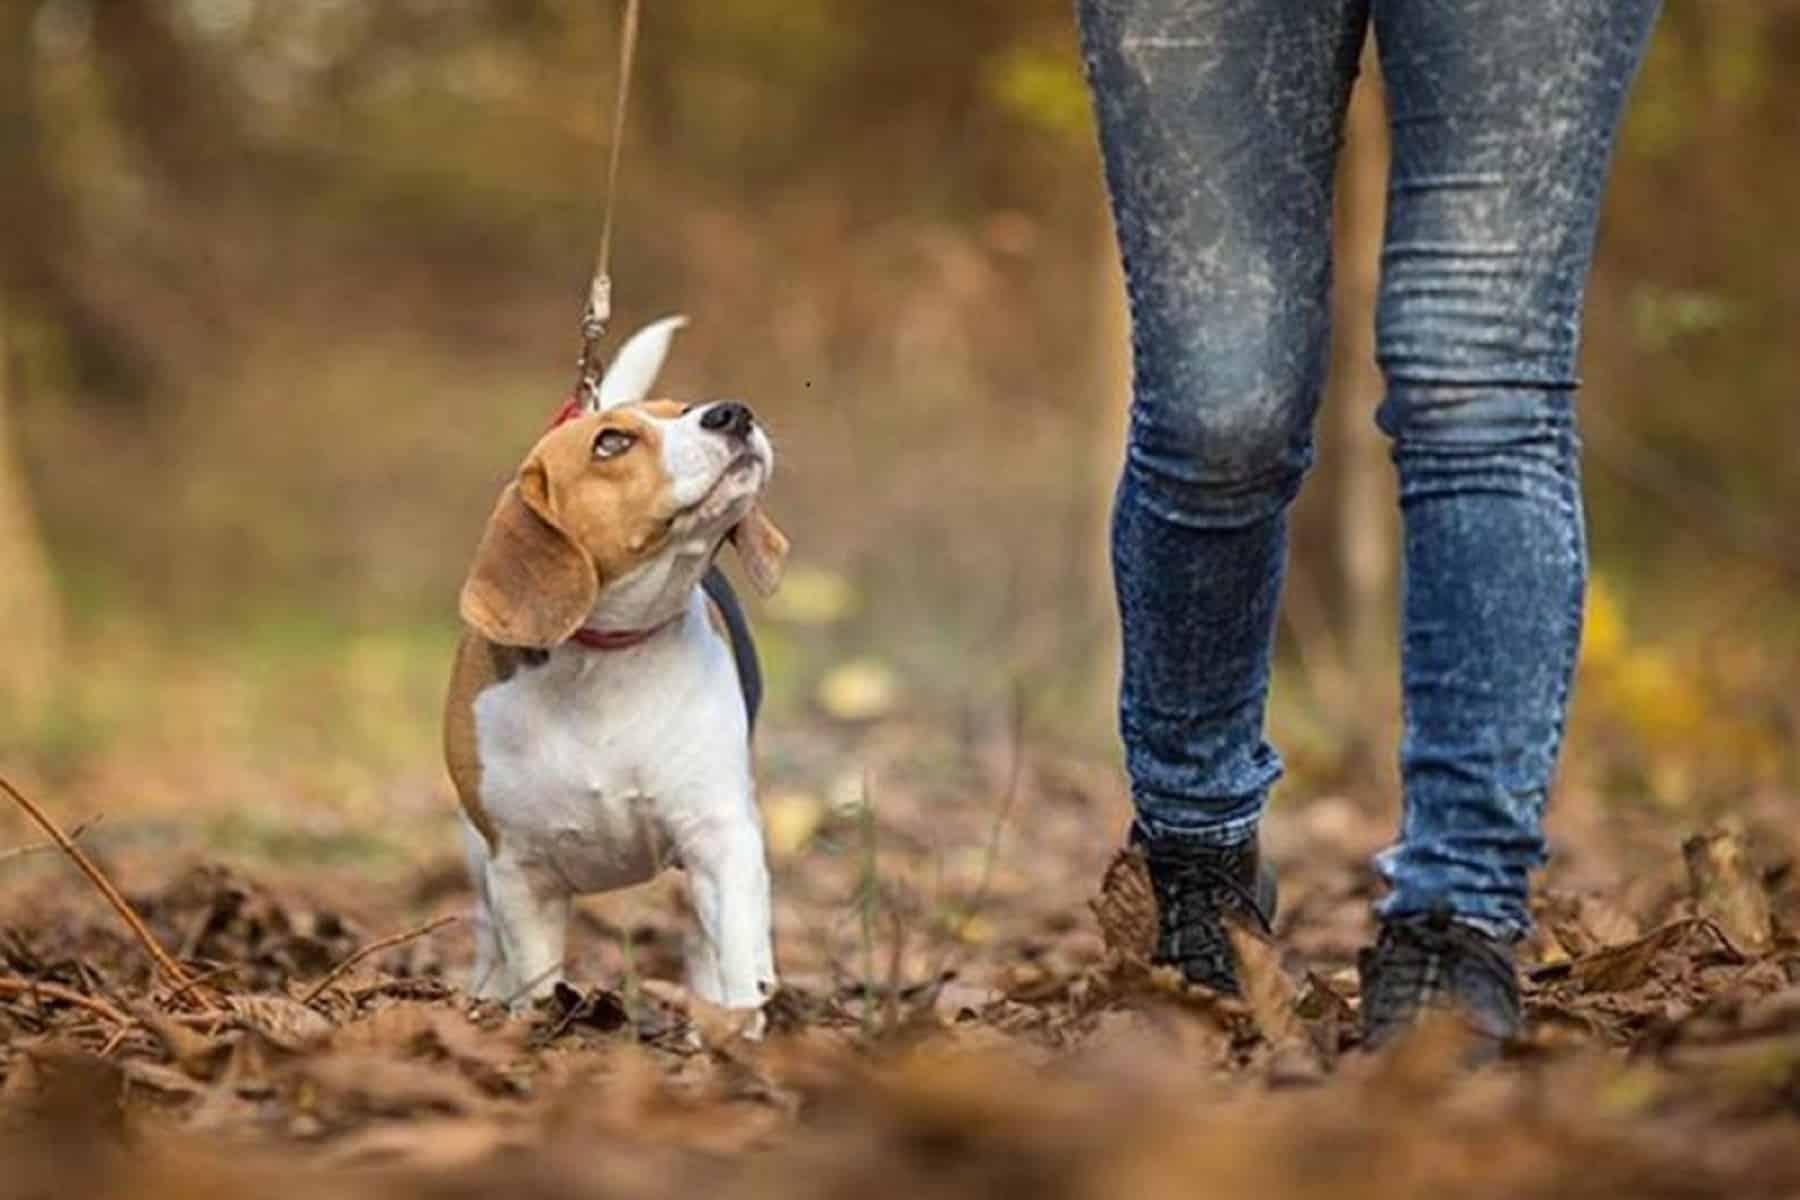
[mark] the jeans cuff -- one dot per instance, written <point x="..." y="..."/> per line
<point x="1508" y="930"/>
<point x="1234" y="832"/>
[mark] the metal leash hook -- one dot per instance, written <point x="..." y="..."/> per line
<point x="593" y="327"/>
<point x="591" y="366"/>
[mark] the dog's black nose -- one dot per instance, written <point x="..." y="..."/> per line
<point x="728" y="416"/>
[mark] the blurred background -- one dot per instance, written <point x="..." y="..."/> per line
<point x="287" y="288"/>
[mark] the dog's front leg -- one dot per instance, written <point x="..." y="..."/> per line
<point x="730" y="957"/>
<point x="529" y="909"/>
<point x="487" y="977"/>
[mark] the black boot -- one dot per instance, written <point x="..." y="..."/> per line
<point x="1198" y="889"/>
<point x="1435" y="962"/>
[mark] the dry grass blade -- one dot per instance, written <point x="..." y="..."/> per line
<point x="55" y="991"/>
<point x="168" y="966"/>
<point x="75" y="835"/>
<point x="375" y="947"/>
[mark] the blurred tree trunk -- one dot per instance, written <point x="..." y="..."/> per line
<point x="30" y="624"/>
<point x="1365" y="510"/>
<point x="30" y="616"/>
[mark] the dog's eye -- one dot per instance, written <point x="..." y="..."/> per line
<point x="610" y="442"/>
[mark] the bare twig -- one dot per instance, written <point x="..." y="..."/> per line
<point x="75" y="834"/>
<point x="115" y="1041"/>
<point x="56" y="991"/>
<point x="201" y="980"/>
<point x="374" y="947"/>
<point x="168" y="966"/>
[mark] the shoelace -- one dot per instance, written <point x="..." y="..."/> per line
<point x="1193" y="897"/>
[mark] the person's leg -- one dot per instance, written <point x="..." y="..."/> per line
<point x="1503" y="116"/>
<point x="1219" y="123"/>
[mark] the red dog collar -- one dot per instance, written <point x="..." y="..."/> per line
<point x="618" y="639"/>
<point x="571" y="408"/>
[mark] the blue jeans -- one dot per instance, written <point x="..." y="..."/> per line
<point x="1220" y="122"/>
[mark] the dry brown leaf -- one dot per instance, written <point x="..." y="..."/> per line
<point x="159" y="1078"/>
<point x="1622" y="968"/>
<point x="1271" y="997"/>
<point x="956" y="1001"/>
<point x="389" y="1086"/>
<point x="1727" y="890"/>
<point x="437" y="1144"/>
<point x="198" y="1056"/>
<point x="1586" y="924"/>
<point x="286" y="1023"/>
<point x="1126" y="907"/>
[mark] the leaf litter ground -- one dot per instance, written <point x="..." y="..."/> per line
<point x="966" y="1012"/>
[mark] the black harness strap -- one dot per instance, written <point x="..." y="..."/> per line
<point x="743" y="648"/>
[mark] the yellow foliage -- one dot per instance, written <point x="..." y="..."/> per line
<point x="790" y="819"/>
<point x="859" y="690"/>
<point x="1044" y="87"/>
<point x="1602" y="627"/>
<point x="1657" y="698"/>
<point x="814" y="596"/>
<point x="1685" y="729"/>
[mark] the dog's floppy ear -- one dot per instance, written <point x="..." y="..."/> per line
<point x="634" y="368"/>
<point x="762" y="548"/>
<point x="530" y="585"/>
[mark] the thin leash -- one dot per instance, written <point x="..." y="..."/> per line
<point x="599" y="302"/>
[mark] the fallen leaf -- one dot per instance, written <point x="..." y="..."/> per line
<point x="601" y="1009"/>
<point x="1271" y="997"/>
<point x="387" y="1086"/>
<point x="441" y="1144"/>
<point x="1126" y="907"/>
<point x="199" y="1056"/>
<point x="286" y="1023"/>
<point x="1622" y="968"/>
<point x="1585" y="924"/>
<point x="959" y="1001"/>
<point x="159" y="1078"/>
<point x="1727" y="889"/>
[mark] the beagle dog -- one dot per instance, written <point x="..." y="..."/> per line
<point x="602" y="698"/>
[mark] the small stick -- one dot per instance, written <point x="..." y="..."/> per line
<point x="115" y="1041"/>
<point x="375" y="947"/>
<point x="164" y="963"/>
<point x="56" y="991"/>
<point x="199" y="980"/>
<point x="39" y="847"/>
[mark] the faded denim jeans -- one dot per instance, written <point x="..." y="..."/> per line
<point x="1220" y="122"/>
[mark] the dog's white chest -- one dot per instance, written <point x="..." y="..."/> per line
<point x="595" y="765"/>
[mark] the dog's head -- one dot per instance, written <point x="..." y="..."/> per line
<point x="617" y="494"/>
